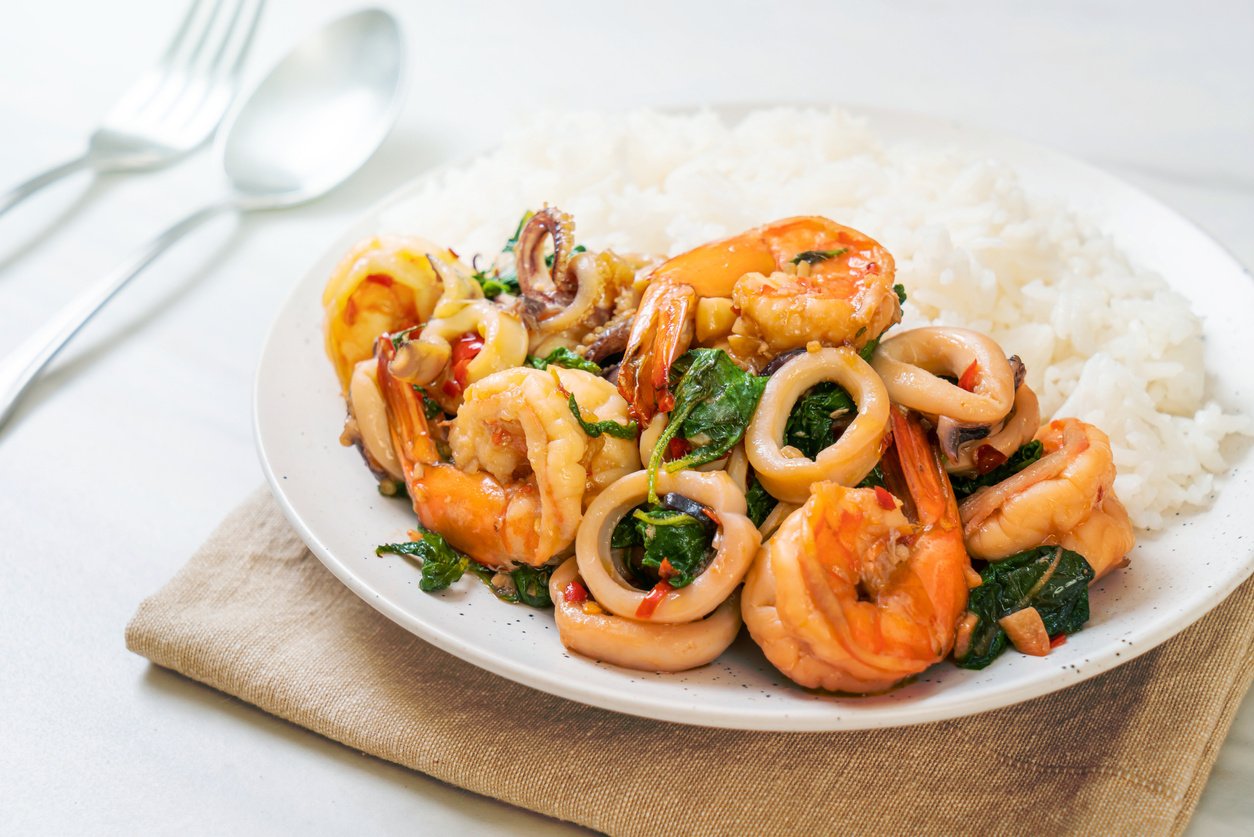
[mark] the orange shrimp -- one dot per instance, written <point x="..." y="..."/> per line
<point x="858" y="589"/>
<point x="790" y="282"/>
<point x="521" y="465"/>
<point x="1066" y="497"/>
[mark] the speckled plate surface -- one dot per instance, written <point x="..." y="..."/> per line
<point x="331" y="500"/>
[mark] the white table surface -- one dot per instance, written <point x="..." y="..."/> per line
<point x="139" y="441"/>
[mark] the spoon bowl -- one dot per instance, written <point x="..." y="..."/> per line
<point x="318" y="115"/>
<point x="312" y="122"/>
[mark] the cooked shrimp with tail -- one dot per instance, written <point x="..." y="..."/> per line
<point x="860" y="589"/>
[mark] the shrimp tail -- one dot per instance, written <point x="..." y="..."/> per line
<point x="407" y="420"/>
<point x="660" y="333"/>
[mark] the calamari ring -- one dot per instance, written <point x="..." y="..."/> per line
<point x="910" y="362"/>
<point x="735" y="545"/>
<point x="1018" y="429"/>
<point x="852" y="456"/>
<point x="645" y="646"/>
<point x="423" y="360"/>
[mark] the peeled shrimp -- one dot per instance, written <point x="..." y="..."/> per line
<point x="844" y="297"/>
<point x="852" y="595"/>
<point x="514" y="492"/>
<point x="1066" y="497"/>
<point x="735" y="545"/>
<point x="852" y="456"/>
<point x="383" y="285"/>
<point x="587" y="629"/>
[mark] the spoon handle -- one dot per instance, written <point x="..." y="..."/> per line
<point x="20" y="368"/>
<point x="31" y="185"/>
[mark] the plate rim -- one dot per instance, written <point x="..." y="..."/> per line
<point x="933" y="709"/>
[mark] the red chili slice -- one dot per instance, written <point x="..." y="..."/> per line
<point x="575" y="593"/>
<point x="665" y="570"/>
<point x="885" y="498"/>
<point x="678" y="448"/>
<point x="381" y="279"/>
<point x="653" y="599"/>
<point x="1058" y="640"/>
<point x="967" y="381"/>
<point x="987" y="458"/>
<point x="465" y="349"/>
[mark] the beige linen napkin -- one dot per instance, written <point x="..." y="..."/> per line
<point x="255" y="615"/>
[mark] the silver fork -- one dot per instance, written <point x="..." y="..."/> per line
<point x="175" y="106"/>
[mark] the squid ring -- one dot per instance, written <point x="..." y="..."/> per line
<point x="1018" y="429"/>
<point x="504" y="343"/>
<point x="735" y="545"/>
<point x="910" y="363"/>
<point x="645" y="646"/>
<point x="370" y="411"/>
<point x="852" y="456"/>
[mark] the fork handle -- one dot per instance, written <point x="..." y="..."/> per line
<point x="20" y="368"/>
<point x="24" y="190"/>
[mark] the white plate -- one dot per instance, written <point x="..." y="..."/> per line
<point x="1175" y="578"/>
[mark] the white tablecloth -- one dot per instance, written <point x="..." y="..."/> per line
<point x="139" y="441"/>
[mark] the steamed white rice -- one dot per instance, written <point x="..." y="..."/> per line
<point x="1103" y="340"/>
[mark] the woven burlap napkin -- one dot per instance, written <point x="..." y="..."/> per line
<point x="255" y="615"/>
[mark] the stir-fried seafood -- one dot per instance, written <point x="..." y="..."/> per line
<point x="785" y="448"/>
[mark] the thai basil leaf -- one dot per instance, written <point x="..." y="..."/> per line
<point x="564" y="357"/>
<point x="816" y="256"/>
<point x="714" y="400"/>
<point x="869" y="349"/>
<point x="873" y="479"/>
<point x="900" y="290"/>
<point x="811" y="425"/>
<point x="525" y="585"/>
<point x="441" y="564"/>
<point x="1020" y="459"/>
<point x="608" y="427"/>
<point x="652" y="533"/>
<point x="494" y="284"/>
<point x="760" y="502"/>
<point x="1051" y="579"/>
<point x="513" y="239"/>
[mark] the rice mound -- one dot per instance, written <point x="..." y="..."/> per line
<point x="1103" y="340"/>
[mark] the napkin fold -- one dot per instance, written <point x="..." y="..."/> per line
<point x="255" y="615"/>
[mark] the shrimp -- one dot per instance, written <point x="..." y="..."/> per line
<point x="858" y="590"/>
<point x="1066" y="497"/>
<point x="588" y="629"/>
<point x="515" y="489"/>
<point x="384" y="284"/>
<point x="792" y="281"/>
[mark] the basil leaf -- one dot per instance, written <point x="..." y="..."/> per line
<point x="714" y="400"/>
<point x="816" y="256"/>
<point x="596" y="428"/>
<point x="900" y="290"/>
<point x="513" y="239"/>
<point x="760" y="502"/>
<point x="441" y="564"/>
<point x="869" y="349"/>
<point x="1020" y="459"/>
<point x="563" y="356"/>
<point x="676" y="538"/>
<point x="812" y="424"/>
<point x="1051" y="579"/>
<point x="494" y="284"/>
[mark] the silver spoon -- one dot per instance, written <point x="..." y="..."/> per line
<point x="314" y="120"/>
